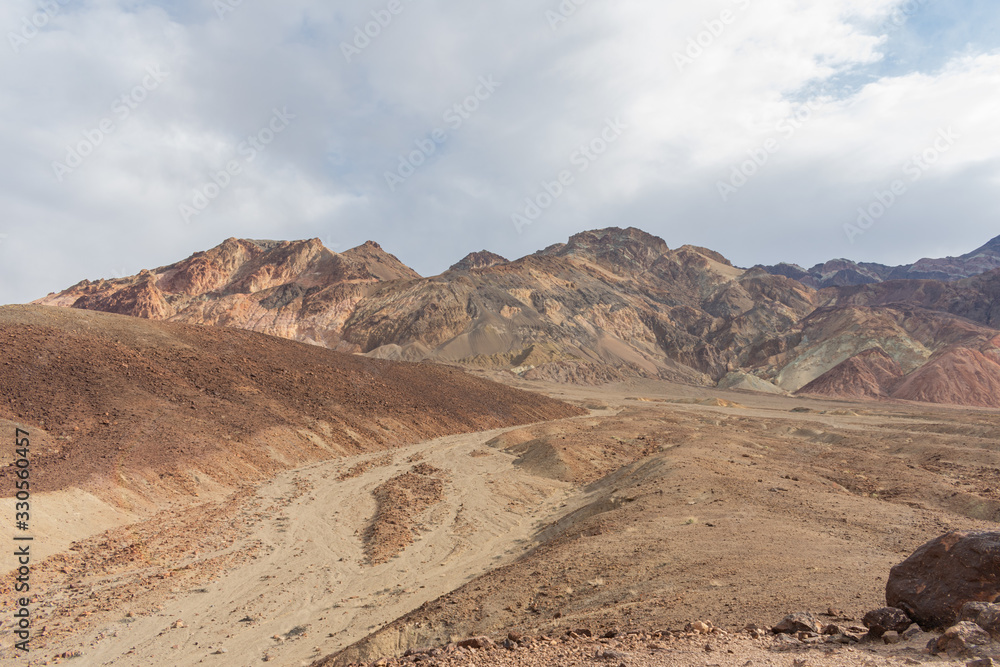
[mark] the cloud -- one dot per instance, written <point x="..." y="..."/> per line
<point x="834" y="85"/>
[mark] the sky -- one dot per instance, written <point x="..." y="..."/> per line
<point x="137" y="132"/>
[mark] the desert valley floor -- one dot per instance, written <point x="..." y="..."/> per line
<point x="663" y="505"/>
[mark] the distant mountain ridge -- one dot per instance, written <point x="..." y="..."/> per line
<point x="846" y="273"/>
<point x="605" y="306"/>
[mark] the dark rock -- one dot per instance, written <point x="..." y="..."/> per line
<point x="965" y="638"/>
<point x="886" y="619"/>
<point x="800" y="622"/>
<point x="891" y="637"/>
<point x="942" y="575"/>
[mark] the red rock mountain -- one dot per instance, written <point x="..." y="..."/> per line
<point x="606" y="305"/>
<point x="871" y="374"/>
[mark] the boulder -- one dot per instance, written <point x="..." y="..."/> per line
<point x="938" y="578"/>
<point x="964" y="638"/>
<point x="886" y="619"/>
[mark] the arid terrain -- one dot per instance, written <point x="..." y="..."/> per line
<point x="663" y="505"/>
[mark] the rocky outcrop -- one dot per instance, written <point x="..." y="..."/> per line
<point x="934" y="583"/>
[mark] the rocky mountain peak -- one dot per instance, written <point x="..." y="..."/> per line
<point x="613" y="247"/>
<point x="479" y="260"/>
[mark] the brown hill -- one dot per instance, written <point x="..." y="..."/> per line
<point x="871" y="374"/>
<point x="130" y="408"/>
<point x="958" y="376"/>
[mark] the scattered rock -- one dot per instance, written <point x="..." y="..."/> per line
<point x="477" y="643"/>
<point x="942" y="575"/>
<point x="891" y="637"/>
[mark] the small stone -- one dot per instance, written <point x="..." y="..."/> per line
<point x="984" y="662"/>
<point x="177" y="624"/>
<point x="700" y="627"/>
<point x="800" y="622"/>
<point x="891" y="637"/>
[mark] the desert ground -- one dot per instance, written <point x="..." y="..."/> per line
<point x="665" y="504"/>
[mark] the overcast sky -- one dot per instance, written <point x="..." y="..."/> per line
<point x="137" y="132"/>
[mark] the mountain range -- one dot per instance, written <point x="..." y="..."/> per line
<point x="605" y="306"/>
<point x="845" y="273"/>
